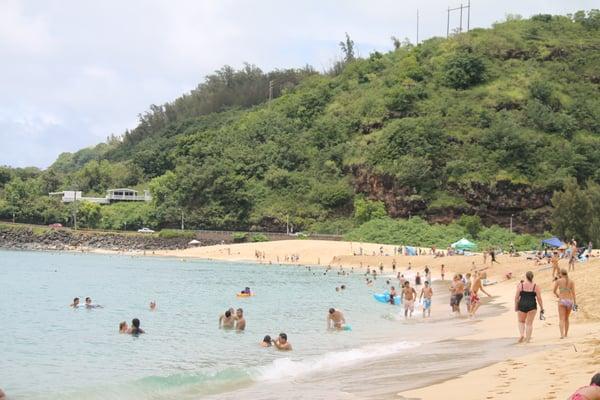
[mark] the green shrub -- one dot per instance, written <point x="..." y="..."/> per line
<point x="259" y="237"/>
<point x="176" y="233"/>
<point x="463" y="70"/>
<point x="239" y="237"/>
<point x="417" y="232"/>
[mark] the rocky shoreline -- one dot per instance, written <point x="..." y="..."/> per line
<point x="65" y="239"/>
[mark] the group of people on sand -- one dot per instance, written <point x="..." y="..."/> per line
<point x="233" y="319"/>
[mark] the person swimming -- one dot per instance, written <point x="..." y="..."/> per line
<point x="135" y="327"/>
<point x="123" y="328"/>
<point x="281" y="343"/>
<point x="267" y="341"/>
<point x="75" y="303"/>
<point x="152" y="305"/>
<point x="88" y="303"/>
<point x="246" y="291"/>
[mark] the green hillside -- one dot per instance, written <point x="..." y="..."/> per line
<point x="489" y="123"/>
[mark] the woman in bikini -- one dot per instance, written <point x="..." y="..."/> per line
<point x="526" y="299"/>
<point x="564" y="290"/>
<point x="591" y="392"/>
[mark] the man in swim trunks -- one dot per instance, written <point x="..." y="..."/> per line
<point x="335" y="319"/>
<point x="407" y="298"/>
<point x="227" y="320"/>
<point x="240" y="321"/>
<point x="555" y="269"/>
<point x="426" y="295"/>
<point x="281" y="343"/>
<point x="457" y="289"/>
<point x="475" y="287"/>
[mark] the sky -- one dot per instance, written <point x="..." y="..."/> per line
<point x="73" y="72"/>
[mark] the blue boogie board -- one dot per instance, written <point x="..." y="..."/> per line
<point x="385" y="298"/>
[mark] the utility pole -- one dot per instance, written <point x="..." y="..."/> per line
<point x="182" y="225"/>
<point x="271" y="90"/>
<point x="417" y="26"/>
<point x="448" y="24"/>
<point x="287" y="224"/>
<point x="468" y="8"/>
<point x="468" y="15"/>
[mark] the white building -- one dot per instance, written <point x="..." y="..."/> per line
<point x="112" y="195"/>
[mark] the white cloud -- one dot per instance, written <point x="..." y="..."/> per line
<point x="21" y="33"/>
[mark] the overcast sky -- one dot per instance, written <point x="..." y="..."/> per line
<point x="74" y="71"/>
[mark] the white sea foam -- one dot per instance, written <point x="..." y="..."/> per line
<point x="285" y="368"/>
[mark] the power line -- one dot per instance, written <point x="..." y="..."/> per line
<point x="468" y="8"/>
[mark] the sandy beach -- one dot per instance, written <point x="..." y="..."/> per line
<point x="550" y="368"/>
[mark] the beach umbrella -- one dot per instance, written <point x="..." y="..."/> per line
<point x="553" y="242"/>
<point x="464" y="244"/>
<point x="194" y="242"/>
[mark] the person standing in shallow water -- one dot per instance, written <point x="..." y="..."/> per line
<point x="526" y="300"/>
<point x="240" y="322"/>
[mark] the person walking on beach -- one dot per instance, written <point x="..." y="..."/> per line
<point x="443" y="271"/>
<point x="426" y="295"/>
<point x="335" y="319"/>
<point x="476" y="286"/>
<point x="467" y="293"/>
<point x="457" y="289"/>
<point x="555" y="269"/>
<point x="573" y="256"/>
<point x="527" y="297"/>
<point x="240" y="321"/>
<point x="564" y="290"/>
<point x="407" y="298"/>
<point x="591" y="392"/>
<point x="493" y="258"/>
<point x="427" y="274"/>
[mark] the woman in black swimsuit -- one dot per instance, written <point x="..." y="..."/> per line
<point x="526" y="299"/>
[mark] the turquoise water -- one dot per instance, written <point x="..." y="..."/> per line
<point x="51" y="351"/>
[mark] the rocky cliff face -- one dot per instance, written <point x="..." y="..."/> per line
<point x="495" y="203"/>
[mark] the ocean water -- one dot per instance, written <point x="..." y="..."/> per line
<point x="51" y="351"/>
